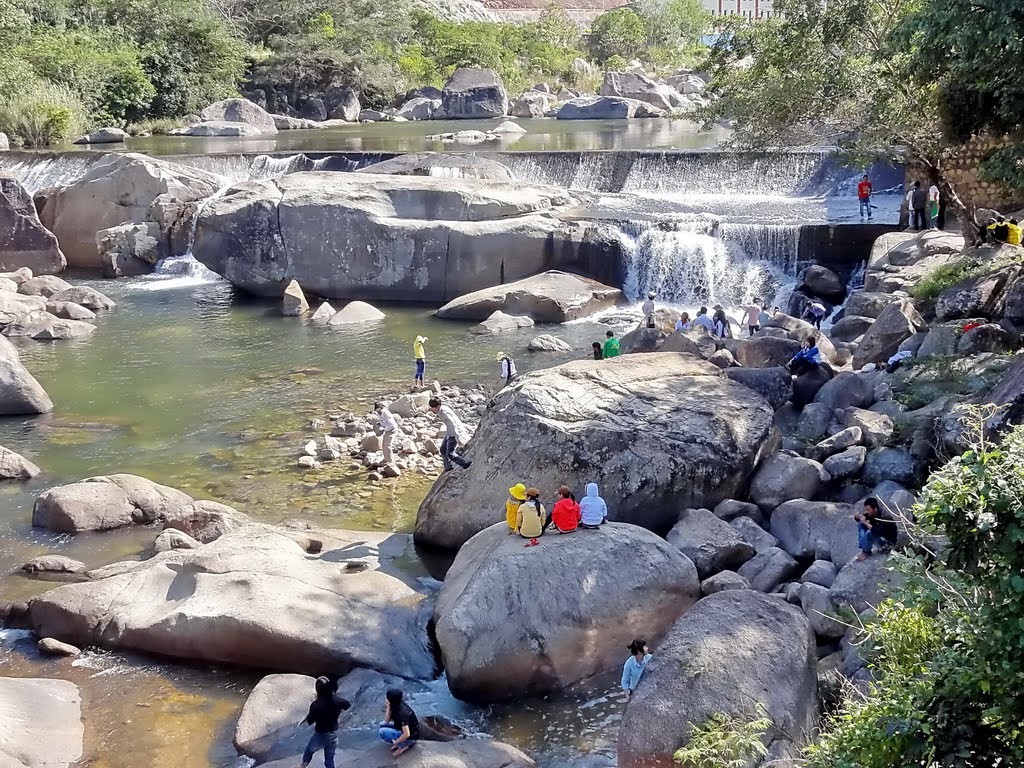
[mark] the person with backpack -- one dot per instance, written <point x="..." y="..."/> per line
<point x="323" y="716"/>
<point x="508" y="369"/>
<point x="530" y="518"/>
<point x="864" y="196"/>
<point x="919" y="203"/>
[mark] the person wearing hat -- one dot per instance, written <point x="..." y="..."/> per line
<point x="508" y="368"/>
<point x="516" y="496"/>
<point x="648" y="309"/>
<point x="421" y="360"/>
<point x="530" y="518"/>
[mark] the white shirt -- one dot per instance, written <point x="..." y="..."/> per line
<point x="508" y="367"/>
<point x="387" y="421"/>
<point x="705" y="322"/>
<point x="681" y="326"/>
<point x="648" y="308"/>
<point x="452" y="423"/>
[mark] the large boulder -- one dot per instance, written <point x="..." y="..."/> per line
<point x="117" y="189"/>
<point x="253" y="597"/>
<point x="365" y="749"/>
<point x="659" y="431"/>
<point x="767" y="570"/>
<point x="896" y="464"/>
<point x="736" y="652"/>
<point x="850" y="327"/>
<point x="846" y="390"/>
<point x="24" y="241"/>
<point x="532" y="104"/>
<point x="868" y="304"/>
<point x="786" y="476"/>
<point x="103" y="136"/>
<point x="983" y="296"/>
<point x="240" y="111"/>
<point x="293" y="302"/>
<point x="634" y="85"/>
<point x="823" y="282"/>
<point x="550" y="297"/>
<point x="40" y="723"/>
<point x="818" y="530"/>
<point x="356" y="312"/>
<point x="85" y="296"/>
<point x="342" y="103"/>
<point x="14" y="466"/>
<point x="105" y="502"/>
<point x="495" y="646"/>
<point x="642" y="339"/>
<point x="499" y="322"/>
<point x="897" y="322"/>
<point x="20" y="393"/>
<point x="773" y="384"/>
<point x="224" y="129"/>
<point x="386" y="237"/>
<point x="441" y="164"/>
<point x="694" y="342"/>
<point x="599" y="108"/>
<point x="712" y="544"/>
<point x="863" y="584"/>
<point x="765" y="352"/>
<point x="472" y="94"/>
<point x="420" y="108"/>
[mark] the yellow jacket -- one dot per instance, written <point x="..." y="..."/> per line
<point x="530" y="519"/>
<point x="1014" y="234"/>
<point x="512" y="512"/>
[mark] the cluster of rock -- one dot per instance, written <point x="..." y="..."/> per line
<point x="416" y="448"/>
<point x="47" y="308"/>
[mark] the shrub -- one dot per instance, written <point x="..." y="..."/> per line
<point x="42" y="114"/>
<point x="946" y="276"/>
<point x="725" y="741"/>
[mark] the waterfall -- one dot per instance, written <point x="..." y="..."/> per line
<point x="183" y="270"/>
<point x="699" y="261"/>
<point x="40" y="170"/>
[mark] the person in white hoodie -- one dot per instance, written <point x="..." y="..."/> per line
<point x="593" y="510"/>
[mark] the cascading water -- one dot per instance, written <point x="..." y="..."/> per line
<point x="183" y="270"/>
<point x="42" y="170"/>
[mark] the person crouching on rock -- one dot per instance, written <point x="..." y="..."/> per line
<point x="807" y="358"/>
<point x="401" y="727"/>
<point x="634" y="666"/>
<point x="598" y="350"/>
<point x="454" y="435"/>
<point x="593" y="510"/>
<point x="516" y="496"/>
<point x="530" y="518"/>
<point x="566" y="512"/>
<point x="323" y="716"/>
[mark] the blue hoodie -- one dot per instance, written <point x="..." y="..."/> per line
<point x="592" y="507"/>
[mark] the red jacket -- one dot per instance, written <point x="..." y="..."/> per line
<point x="566" y="515"/>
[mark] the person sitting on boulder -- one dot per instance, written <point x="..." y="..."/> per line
<point x="873" y="529"/>
<point x="634" y="666"/>
<point x="593" y="510"/>
<point x="323" y="716"/>
<point x="531" y="518"/>
<point x="516" y="496"/>
<point x="807" y="357"/>
<point x="723" y="328"/>
<point x="598" y="350"/>
<point x="683" y="323"/>
<point x="648" y="310"/>
<point x="566" y="512"/>
<point x="611" y="345"/>
<point x="703" y="321"/>
<point x="401" y="727"/>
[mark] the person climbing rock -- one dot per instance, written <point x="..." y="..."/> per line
<point x="611" y="345"/>
<point x="516" y="496"/>
<point x="807" y="357"/>
<point x="401" y="727"/>
<point x="635" y="665"/>
<point x="815" y="313"/>
<point x="754" y="316"/>
<point x="455" y="435"/>
<point x="508" y="371"/>
<point x="593" y="510"/>
<point x="421" y="360"/>
<point x="648" y="310"/>
<point x="531" y="517"/>
<point x="323" y="716"/>
<point x="566" y="512"/>
<point x="388" y="429"/>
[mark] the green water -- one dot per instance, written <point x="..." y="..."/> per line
<point x="202" y="390"/>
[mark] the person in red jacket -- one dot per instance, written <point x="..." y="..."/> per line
<point x="566" y="512"/>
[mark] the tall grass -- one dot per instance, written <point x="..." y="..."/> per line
<point x="41" y="114"/>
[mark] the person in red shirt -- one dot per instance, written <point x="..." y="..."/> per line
<point x="864" y="195"/>
<point x="566" y="512"/>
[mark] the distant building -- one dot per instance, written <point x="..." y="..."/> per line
<point x="752" y="9"/>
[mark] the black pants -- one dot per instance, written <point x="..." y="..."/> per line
<point x="801" y="366"/>
<point x="920" y="219"/>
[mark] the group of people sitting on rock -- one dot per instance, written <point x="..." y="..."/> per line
<point x="1002" y="231"/>
<point x="609" y="349"/>
<point x="400" y="727"/>
<point x="525" y="513"/>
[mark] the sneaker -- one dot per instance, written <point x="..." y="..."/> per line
<point x="467" y="465"/>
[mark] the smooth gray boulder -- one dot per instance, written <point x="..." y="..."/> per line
<point x="547" y="343"/>
<point x="240" y="111"/>
<point x="473" y="94"/>
<point x="846" y="464"/>
<point x="823" y="282"/>
<point x="599" y="108"/>
<point x="224" y="129"/>
<point x="103" y="136"/>
<point x="877" y="428"/>
<point x="386" y="237"/>
<point x="766" y="570"/>
<point x="847" y="389"/>
<point x="550" y="297"/>
<point x="990" y="337"/>
<point x="69" y="310"/>
<point x="812" y="424"/>
<point x="20" y="393"/>
<point x="868" y="304"/>
<point x="773" y="384"/>
<point x="694" y="342"/>
<point x="105" y="502"/>
<point x="252" y="597"/>
<point x="639" y="87"/>
<point x="643" y="340"/>
<point x="820" y="611"/>
<point x="983" y="296"/>
<point x="532" y="104"/>
<point x="420" y="108"/>
<point x="342" y="103"/>
<point x="730" y="509"/>
<point x="40" y="723"/>
<point x="861" y="585"/>
<point x="355" y="312"/>
<point x="24" y="241"/>
<point x="821" y="530"/>
<point x="897" y="322"/>
<point x="293" y="302"/>
<point x="441" y="164"/>
<point x="850" y="327"/>
<point x="44" y="286"/>
<point x="752" y="533"/>
<point x="896" y="464"/>
<point x="323" y="314"/>
<point x="786" y="476"/>
<point x="721" y="581"/>
<point x="712" y="544"/>
<point x="53" y="564"/>
<point x="821" y="572"/>
<point x="736" y="652"/>
<point x="499" y="322"/>
<point x="840" y="441"/>
<point x="659" y="431"/>
<point x="55" y="329"/>
<point x="495" y="646"/>
<point x="14" y="466"/>
<point x="765" y="351"/>
<point x="365" y="749"/>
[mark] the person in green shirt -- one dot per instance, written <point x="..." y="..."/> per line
<point x="611" y="345"/>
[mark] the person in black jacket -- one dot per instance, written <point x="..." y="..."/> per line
<point x="401" y="727"/>
<point x="323" y="716"/>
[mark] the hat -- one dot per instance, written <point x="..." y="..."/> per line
<point x="500" y="357"/>
<point x="518" y="491"/>
<point x="532" y="492"/>
<point x="650" y="295"/>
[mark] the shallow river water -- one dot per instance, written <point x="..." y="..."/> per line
<point x="193" y="386"/>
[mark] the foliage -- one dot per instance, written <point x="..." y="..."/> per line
<point x="41" y="114"/>
<point x="725" y="741"/>
<point x="949" y="647"/>
<point x="673" y="24"/>
<point x="617" y="33"/>
<point x="946" y="276"/>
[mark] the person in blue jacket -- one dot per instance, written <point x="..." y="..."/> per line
<point x="807" y="358"/>
<point x="634" y="666"/>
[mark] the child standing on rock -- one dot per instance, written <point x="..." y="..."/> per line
<point x="323" y="716"/>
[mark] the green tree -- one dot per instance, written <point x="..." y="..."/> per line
<point x="617" y="33"/>
<point x="677" y="24"/>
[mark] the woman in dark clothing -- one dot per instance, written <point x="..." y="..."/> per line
<point x="323" y="716"/>
<point x="400" y="727"/>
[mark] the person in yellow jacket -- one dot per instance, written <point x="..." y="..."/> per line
<point x="1013" y="235"/>
<point x="516" y="496"/>
<point x="531" y="517"/>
